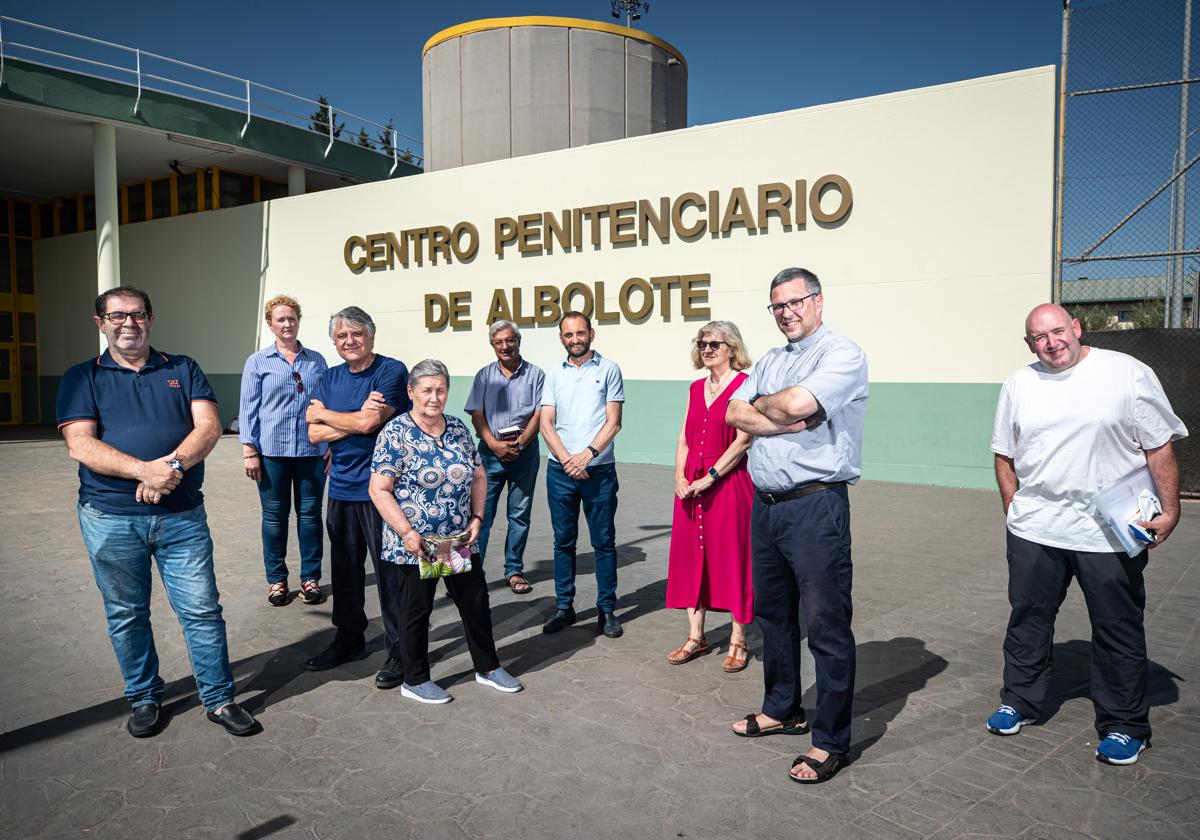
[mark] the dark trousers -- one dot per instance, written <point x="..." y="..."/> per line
<point x="801" y="551"/>
<point x="598" y="495"/>
<point x="356" y="529"/>
<point x="285" y="480"/>
<point x="1115" y="593"/>
<point x="469" y="591"/>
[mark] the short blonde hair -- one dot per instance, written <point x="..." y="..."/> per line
<point x="727" y="331"/>
<point x="281" y="300"/>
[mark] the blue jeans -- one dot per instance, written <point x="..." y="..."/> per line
<point x="598" y="493"/>
<point x="521" y="477"/>
<point x="120" y="548"/>
<point x="285" y="479"/>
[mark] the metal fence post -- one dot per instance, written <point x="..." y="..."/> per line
<point x="1056" y="288"/>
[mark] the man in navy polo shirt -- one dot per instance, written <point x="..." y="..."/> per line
<point x="140" y="423"/>
<point x="349" y="406"/>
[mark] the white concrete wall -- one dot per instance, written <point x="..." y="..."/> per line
<point x="946" y="249"/>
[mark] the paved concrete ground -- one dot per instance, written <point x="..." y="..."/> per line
<point x="608" y="740"/>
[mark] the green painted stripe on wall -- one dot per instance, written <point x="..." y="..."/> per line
<point x="916" y="432"/>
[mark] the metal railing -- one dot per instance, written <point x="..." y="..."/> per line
<point x="151" y="71"/>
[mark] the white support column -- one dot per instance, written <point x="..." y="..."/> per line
<point x="108" y="246"/>
<point x="295" y="180"/>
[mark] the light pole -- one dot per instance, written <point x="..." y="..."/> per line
<point x="631" y="9"/>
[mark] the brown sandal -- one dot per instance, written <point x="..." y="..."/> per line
<point x="732" y="663"/>
<point x="681" y="654"/>
<point x="519" y="585"/>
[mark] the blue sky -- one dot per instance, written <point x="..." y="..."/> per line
<point x="744" y="58"/>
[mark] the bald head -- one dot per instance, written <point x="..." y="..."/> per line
<point x="1053" y="336"/>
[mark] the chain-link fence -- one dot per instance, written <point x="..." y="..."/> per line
<point x="1128" y="251"/>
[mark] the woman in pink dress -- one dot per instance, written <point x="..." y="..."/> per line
<point x="710" y="535"/>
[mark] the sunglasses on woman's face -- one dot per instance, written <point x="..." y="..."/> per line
<point x="299" y="382"/>
<point x="710" y="345"/>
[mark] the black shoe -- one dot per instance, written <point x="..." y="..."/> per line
<point x="146" y="721"/>
<point x="391" y="674"/>
<point x="335" y="655"/>
<point x="235" y="720"/>
<point x="607" y="624"/>
<point x="559" y="621"/>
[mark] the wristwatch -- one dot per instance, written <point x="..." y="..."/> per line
<point x="595" y="452"/>
<point x="752" y="399"/>
<point x="713" y="474"/>
<point x="520" y="446"/>
<point x="176" y="464"/>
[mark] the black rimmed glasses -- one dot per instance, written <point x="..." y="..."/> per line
<point x="117" y="318"/>
<point x="795" y="305"/>
<point x="299" y="382"/>
<point x="710" y="345"/>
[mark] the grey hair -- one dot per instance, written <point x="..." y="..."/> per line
<point x="503" y="325"/>
<point x="428" y="367"/>
<point x="352" y="315"/>
<point x="811" y="284"/>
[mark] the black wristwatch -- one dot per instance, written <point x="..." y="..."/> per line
<point x="713" y="474"/>
<point x="595" y="452"/>
<point x="752" y="399"/>
<point x="176" y="464"/>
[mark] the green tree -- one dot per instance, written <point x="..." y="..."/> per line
<point x="1148" y="314"/>
<point x="322" y="119"/>
<point x="364" y="140"/>
<point x="1092" y="318"/>
<point x="385" y="138"/>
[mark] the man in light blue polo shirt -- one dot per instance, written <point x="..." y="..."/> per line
<point x="505" y="405"/>
<point x="581" y="414"/>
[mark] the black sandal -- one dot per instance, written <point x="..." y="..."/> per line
<point x="825" y="770"/>
<point x="795" y="725"/>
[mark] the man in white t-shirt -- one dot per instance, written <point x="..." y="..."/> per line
<point x="1068" y="426"/>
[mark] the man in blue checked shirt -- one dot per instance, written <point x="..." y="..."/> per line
<point x="505" y="407"/>
<point x="140" y="423"/>
<point x="581" y="415"/>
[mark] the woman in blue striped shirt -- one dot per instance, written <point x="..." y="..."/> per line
<point x="276" y="384"/>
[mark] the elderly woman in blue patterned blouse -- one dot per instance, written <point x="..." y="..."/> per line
<point x="427" y="482"/>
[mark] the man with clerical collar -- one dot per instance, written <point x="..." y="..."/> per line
<point x="140" y="423"/>
<point x="805" y="404"/>
<point x="505" y="408"/>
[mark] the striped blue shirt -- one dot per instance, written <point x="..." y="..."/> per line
<point x="271" y="417"/>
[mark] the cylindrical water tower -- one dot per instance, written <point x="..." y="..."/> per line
<point x="504" y="87"/>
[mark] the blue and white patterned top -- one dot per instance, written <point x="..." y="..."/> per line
<point x="271" y="416"/>
<point x="433" y="479"/>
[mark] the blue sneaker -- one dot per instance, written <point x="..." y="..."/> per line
<point x="426" y="692"/>
<point x="500" y="680"/>
<point x="1006" y="721"/>
<point x="1119" y="748"/>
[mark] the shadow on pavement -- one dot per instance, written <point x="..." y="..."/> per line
<point x="1070" y="677"/>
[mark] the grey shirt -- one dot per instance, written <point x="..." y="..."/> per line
<point x="506" y="401"/>
<point x="834" y="370"/>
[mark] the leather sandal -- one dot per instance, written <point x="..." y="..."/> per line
<point x="519" y="585"/>
<point x="795" y="725"/>
<point x="825" y="770"/>
<point x="734" y="663"/>
<point x="681" y="654"/>
<point x="278" y="595"/>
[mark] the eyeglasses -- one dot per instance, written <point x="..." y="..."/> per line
<point x="299" y="382"/>
<point x="138" y="315"/>
<point x="709" y="345"/>
<point x="794" y="305"/>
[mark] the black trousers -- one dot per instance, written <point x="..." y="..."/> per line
<point x="469" y="591"/>
<point x="355" y="530"/>
<point x="801" y="559"/>
<point x="1115" y="593"/>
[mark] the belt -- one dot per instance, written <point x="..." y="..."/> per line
<point x="797" y="491"/>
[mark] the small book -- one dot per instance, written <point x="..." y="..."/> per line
<point x="508" y="433"/>
<point x="447" y="556"/>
